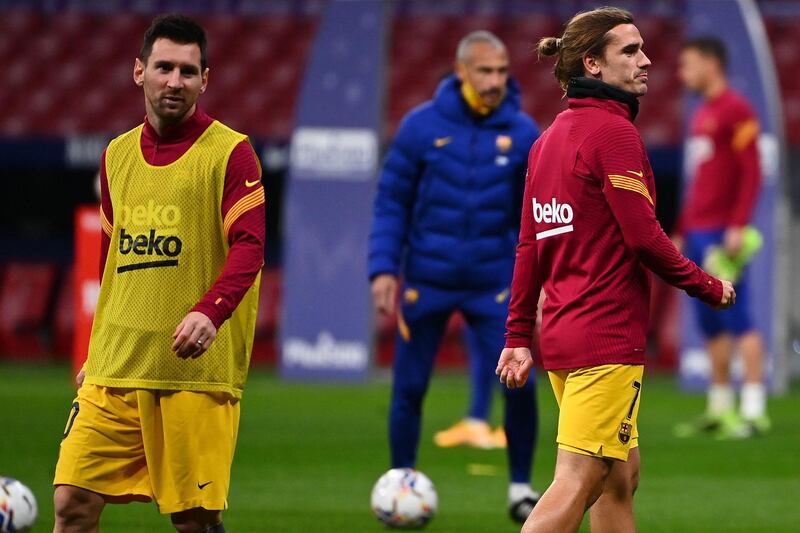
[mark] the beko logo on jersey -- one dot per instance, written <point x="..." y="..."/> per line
<point x="151" y="214"/>
<point x="149" y="243"/>
<point x="552" y="212"/>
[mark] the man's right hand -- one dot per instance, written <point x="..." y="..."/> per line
<point x="384" y="291"/>
<point x="514" y="367"/>
<point x="728" y="295"/>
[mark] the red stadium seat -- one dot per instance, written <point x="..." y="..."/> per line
<point x="25" y="295"/>
<point x="63" y="322"/>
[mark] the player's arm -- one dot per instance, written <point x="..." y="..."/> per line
<point x="106" y="216"/>
<point x="106" y="228"/>
<point x="244" y="223"/>
<point x="618" y="157"/>
<point x="744" y="143"/>
<point x="397" y="185"/>
<point x="515" y="360"/>
<point x="521" y="173"/>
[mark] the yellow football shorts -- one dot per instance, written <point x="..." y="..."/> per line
<point x="598" y="409"/>
<point x="174" y="447"/>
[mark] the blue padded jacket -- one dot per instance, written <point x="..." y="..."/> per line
<point x="447" y="208"/>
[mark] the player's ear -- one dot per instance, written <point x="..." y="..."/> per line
<point x="138" y="72"/>
<point x="461" y="70"/>
<point x="205" y="81"/>
<point x="591" y="66"/>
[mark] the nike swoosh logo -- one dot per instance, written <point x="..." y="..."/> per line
<point x="204" y="485"/>
<point x="441" y="141"/>
<point x="251" y="183"/>
<point x="640" y="174"/>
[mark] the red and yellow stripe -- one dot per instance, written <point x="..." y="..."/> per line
<point x="105" y="224"/>
<point x="630" y="184"/>
<point x="744" y="133"/>
<point x="245" y="203"/>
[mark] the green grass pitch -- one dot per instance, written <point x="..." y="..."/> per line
<point x="308" y="455"/>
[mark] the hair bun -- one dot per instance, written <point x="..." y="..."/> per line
<point x="549" y="46"/>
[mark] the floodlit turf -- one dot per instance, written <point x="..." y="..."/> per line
<point x="309" y="454"/>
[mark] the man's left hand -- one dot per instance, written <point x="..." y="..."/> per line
<point x="732" y="241"/>
<point x="193" y="336"/>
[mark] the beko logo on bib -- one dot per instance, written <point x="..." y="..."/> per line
<point x="552" y="212"/>
<point x="156" y="241"/>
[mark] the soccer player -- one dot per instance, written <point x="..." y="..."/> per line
<point x="445" y="216"/>
<point x="725" y="174"/>
<point x="157" y="411"/>
<point x="589" y="238"/>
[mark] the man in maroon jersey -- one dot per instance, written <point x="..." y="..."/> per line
<point x="589" y="238"/>
<point x="723" y="166"/>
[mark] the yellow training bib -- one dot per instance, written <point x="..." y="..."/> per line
<point x="168" y="245"/>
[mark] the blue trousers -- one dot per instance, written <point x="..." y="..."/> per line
<point x="736" y="320"/>
<point x="425" y="311"/>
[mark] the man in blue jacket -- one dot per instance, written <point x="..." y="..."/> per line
<point x="446" y="216"/>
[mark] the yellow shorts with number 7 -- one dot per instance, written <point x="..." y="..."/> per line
<point x="598" y="409"/>
<point x="174" y="447"/>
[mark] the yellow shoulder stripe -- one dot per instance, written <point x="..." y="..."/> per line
<point x="744" y="133"/>
<point x="244" y="204"/>
<point x="630" y="184"/>
<point x="105" y="224"/>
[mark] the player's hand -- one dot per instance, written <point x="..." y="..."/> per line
<point x="733" y="240"/>
<point x="384" y="291"/>
<point x="514" y="366"/>
<point x="193" y="335"/>
<point x="79" y="378"/>
<point x="728" y="295"/>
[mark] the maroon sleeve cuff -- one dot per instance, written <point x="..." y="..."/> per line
<point x="516" y="340"/>
<point x="711" y="291"/>
<point x="216" y="315"/>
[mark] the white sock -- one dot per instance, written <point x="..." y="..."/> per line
<point x="519" y="491"/>
<point x="475" y="421"/>
<point x="754" y="401"/>
<point x="720" y="399"/>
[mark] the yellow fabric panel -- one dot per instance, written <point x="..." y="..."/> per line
<point x="174" y="447"/>
<point x="744" y="133"/>
<point x="598" y="409"/>
<point x="168" y="246"/>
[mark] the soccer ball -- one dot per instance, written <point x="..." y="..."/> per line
<point x="17" y="506"/>
<point x="404" y="498"/>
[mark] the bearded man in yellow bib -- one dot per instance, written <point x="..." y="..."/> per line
<point x="157" y="412"/>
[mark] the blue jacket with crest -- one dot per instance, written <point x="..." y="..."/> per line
<point x="448" y="204"/>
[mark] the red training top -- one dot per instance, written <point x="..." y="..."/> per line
<point x="722" y="162"/>
<point x="246" y="235"/>
<point x="588" y="236"/>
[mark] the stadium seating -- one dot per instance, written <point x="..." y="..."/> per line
<point x="257" y="66"/>
<point x="75" y="75"/>
<point x="26" y="290"/>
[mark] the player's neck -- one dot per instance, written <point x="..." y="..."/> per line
<point x="161" y="126"/>
<point x="715" y="88"/>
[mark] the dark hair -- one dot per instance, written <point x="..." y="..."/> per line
<point x="177" y="28"/>
<point x="709" y="46"/>
<point x="585" y="34"/>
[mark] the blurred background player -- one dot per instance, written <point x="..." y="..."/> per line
<point x="725" y="179"/>
<point x="445" y="216"/>
<point x="590" y="238"/>
<point x="157" y="412"/>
